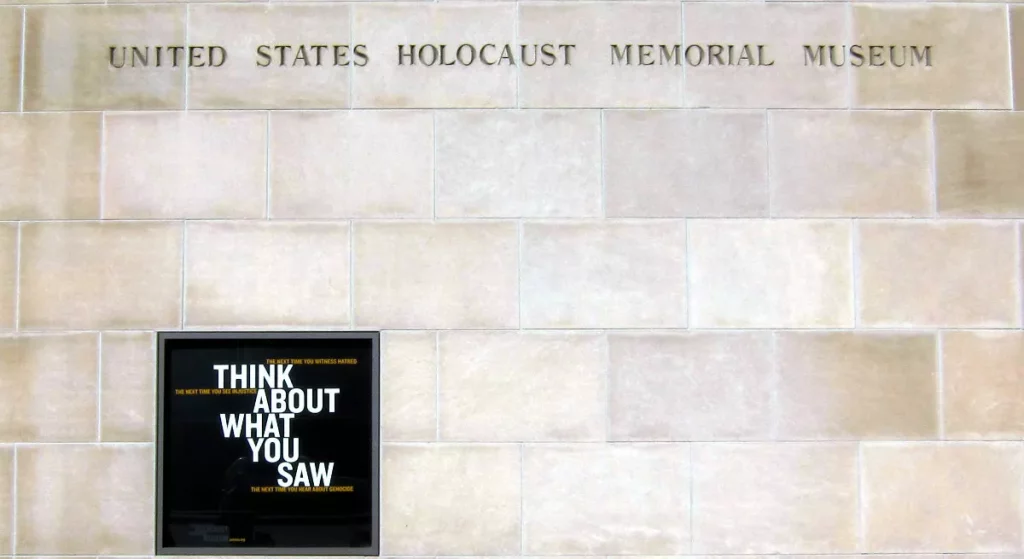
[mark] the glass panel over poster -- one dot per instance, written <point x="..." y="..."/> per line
<point x="268" y="443"/>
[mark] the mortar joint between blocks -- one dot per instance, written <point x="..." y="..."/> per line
<point x="352" y="273"/>
<point x="855" y="279"/>
<point x="933" y="182"/>
<point x="602" y="164"/>
<point x="861" y="527"/>
<point x="103" y="164"/>
<point x="608" y="435"/>
<point x="99" y="387"/>
<point x="519" y="273"/>
<point x="1018" y="231"/>
<point x="21" y="60"/>
<point x="522" y="501"/>
<point x="688" y="272"/>
<point x="768" y="159"/>
<point x="268" y="168"/>
<point x="1009" y="46"/>
<point x="940" y="389"/>
<point x="17" y="277"/>
<point x="775" y="380"/>
<point x="437" y="385"/>
<point x="433" y="165"/>
<point x="183" y="289"/>
<point x="693" y="500"/>
<point x="1020" y="494"/>
<point x="14" y="503"/>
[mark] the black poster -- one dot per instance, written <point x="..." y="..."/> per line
<point x="267" y="443"/>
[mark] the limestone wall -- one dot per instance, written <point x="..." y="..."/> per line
<point x="627" y="309"/>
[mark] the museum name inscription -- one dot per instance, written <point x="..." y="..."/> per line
<point x="505" y="54"/>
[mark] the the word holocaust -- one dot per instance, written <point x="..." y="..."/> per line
<point x="505" y="54"/>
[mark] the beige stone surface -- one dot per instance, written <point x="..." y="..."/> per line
<point x="195" y="165"/>
<point x="450" y="499"/>
<point x="80" y="499"/>
<point x="10" y="59"/>
<point x="408" y="385"/>
<point x="100" y="275"/>
<point x="613" y="499"/>
<point x="938" y="274"/>
<point x="384" y="26"/>
<point x="8" y="276"/>
<point x="298" y="77"/>
<point x="518" y="163"/>
<point x="850" y="163"/>
<point x="873" y="555"/>
<point x="48" y="391"/>
<point x="128" y="383"/>
<point x="590" y="80"/>
<point x="846" y="385"/>
<point x="983" y="384"/>
<point x="178" y="1"/>
<point x="67" y="57"/>
<point x="970" y="56"/>
<point x="351" y="164"/>
<point x="775" y="498"/>
<point x="770" y="274"/>
<point x="302" y="280"/>
<point x="514" y="386"/>
<point x="666" y="163"/>
<point x="45" y="2"/>
<point x="50" y="166"/>
<point x="682" y="387"/>
<point x="604" y="275"/>
<point x="978" y="164"/>
<point x="783" y="28"/>
<point x="444" y="275"/>
<point x="85" y="557"/>
<point x="925" y="497"/>
<point x="6" y="499"/>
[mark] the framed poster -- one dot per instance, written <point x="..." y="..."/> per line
<point x="267" y="443"/>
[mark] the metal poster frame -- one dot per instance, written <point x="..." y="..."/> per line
<point x="374" y="337"/>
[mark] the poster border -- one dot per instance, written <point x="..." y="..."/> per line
<point x="374" y="337"/>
